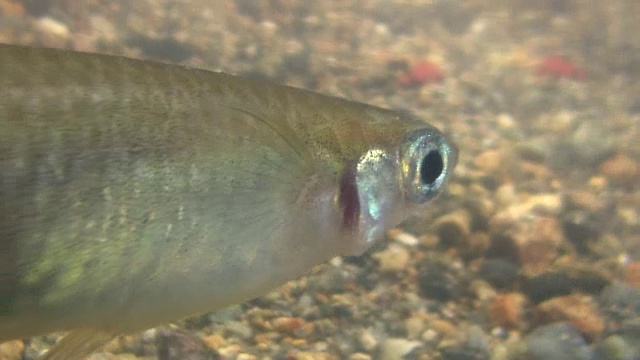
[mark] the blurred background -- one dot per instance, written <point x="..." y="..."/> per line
<point x="534" y="252"/>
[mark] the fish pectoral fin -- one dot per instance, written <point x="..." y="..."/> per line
<point x="79" y="344"/>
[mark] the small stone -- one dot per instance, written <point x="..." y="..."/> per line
<point x="475" y="346"/>
<point x="11" y="350"/>
<point x="107" y="356"/>
<point x="174" y="344"/>
<point x="437" y="280"/>
<point x="591" y="143"/>
<point x="239" y="328"/>
<point x="586" y="277"/>
<point x="557" y="341"/>
<point x="288" y="325"/>
<point x="534" y="150"/>
<point x="506" y="121"/>
<point x="214" y="341"/>
<point x="476" y="246"/>
<point x="429" y="335"/>
<point x="244" y="356"/>
<point x="578" y="310"/>
<point x="312" y="355"/>
<point x="632" y="274"/>
<point x="488" y="161"/>
<point x="429" y="240"/>
<point x="13" y="9"/>
<point x="403" y="237"/>
<point x="620" y="301"/>
<point x="500" y="273"/>
<point x="396" y="348"/>
<point x="506" y="310"/>
<point x="444" y="328"/>
<point x="621" y="169"/>
<point x="629" y="333"/>
<point x="367" y="341"/>
<point x="414" y="326"/>
<point x="482" y="290"/>
<point x="547" y="286"/>
<point x="506" y="194"/>
<point x="536" y="242"/>
<point x="359" y="356"/>
<point x="584" y="200"/>
<point x="615" y="347"/>
<point x="393" y="259"/>
<point x="581" y="228"/>
<point x="53" y="32"/>
<point x="453" y="229"/>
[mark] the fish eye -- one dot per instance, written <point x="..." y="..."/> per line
<point x="427" y="159"/>
<point x="431" y="167"/>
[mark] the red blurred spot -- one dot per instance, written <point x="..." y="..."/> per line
<point x="423" y="72"/>
<point x="560" y="67"/>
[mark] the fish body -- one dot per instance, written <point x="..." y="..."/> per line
<point x="134" y="193"/>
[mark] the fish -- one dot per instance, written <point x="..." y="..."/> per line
<point x="135" y="193"/>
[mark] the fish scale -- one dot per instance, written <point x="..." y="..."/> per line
<point x="135" y="193"/>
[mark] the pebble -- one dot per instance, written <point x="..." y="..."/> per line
<point x="621" y="170"/>
<point x="367" y="340"/>
<point x="120" y="356"/>
<point x="214" y="341"/>
<point x="548" y="285"/>
<point x="488" y="161"/>
<point x="311" y="355"/>
<point x="482" y="290"/>
<point x="443" y="328"/>
<point x="414" y="326"/>
<point x="397" y="348"/>
<point x="632" y="274"/>
<point x="505" y="194"/>
<point x="500" y="273"/>
<point x="506" y="310"/>
<point x="175" y="344"/>
<point x="359" y="356"/>
<point x="615" y="347"/>
<point x="453" y="229"/>
<point x="474" y="347"/>
<point x="549" y="204"/>
<point x="394" y="258"/>
<point x="438" y="281"/>
<point x="581" y="228"/>
<point x="534" y="150"/>
<point x="403" y="237"/>
<point x="557" y="341"/>
<point x="588" y="201"/>
<point x="586" y="277"/>
<point x="578" y="310"/>
<point x="533" y="242"/>
<point x="244" y="356"/>
<point x="620" y="301"/>
<point x="629" y="333"/>
<point x="288" y="325"/>
<point x="11" y="350"/>
<point x="52" y="27"/>
<point x="589" y="144"/>
<point x="239" y="328"/>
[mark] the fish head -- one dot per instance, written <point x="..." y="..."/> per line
<point x="387" y="184"/>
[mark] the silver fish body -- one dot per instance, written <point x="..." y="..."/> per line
<point x="134" y="193"/>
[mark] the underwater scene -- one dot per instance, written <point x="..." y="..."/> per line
<point x="493" y="213"/>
